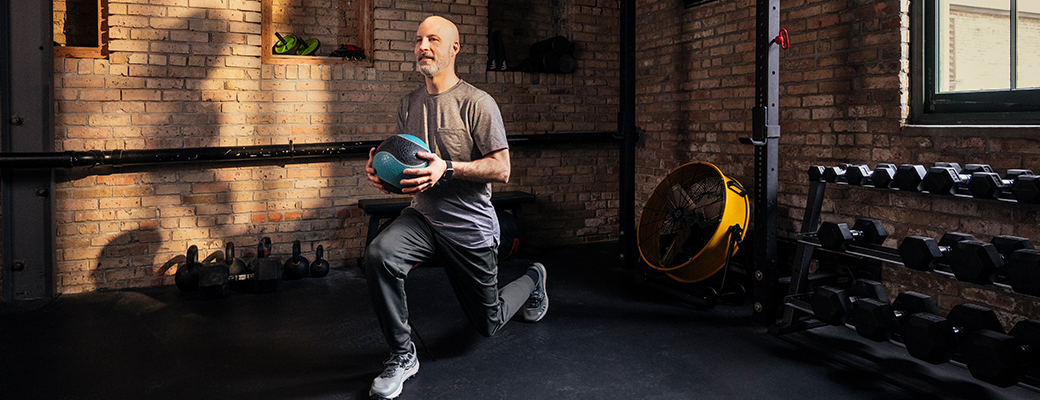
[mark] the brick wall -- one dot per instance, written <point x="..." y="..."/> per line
<point x="843" y="98"/>
<point x="188" y="73"/>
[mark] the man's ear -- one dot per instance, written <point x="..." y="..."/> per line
<point x="455" y="47"/>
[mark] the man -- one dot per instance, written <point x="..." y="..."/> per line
<point x="451" y="219"/>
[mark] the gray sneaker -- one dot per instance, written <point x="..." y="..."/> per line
<point x="397" y="369"/>
<point x="538" y="303"/>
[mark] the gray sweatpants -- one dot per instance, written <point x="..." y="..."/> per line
<point x="410" y="240"/>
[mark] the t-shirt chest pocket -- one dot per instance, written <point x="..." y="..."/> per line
<point x="455" y="144"/>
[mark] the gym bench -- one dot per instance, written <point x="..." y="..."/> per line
<point x="386" y="208"/>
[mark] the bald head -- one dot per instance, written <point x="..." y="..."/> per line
<point x="436" y="44"/>
<point x="442" y="25"/>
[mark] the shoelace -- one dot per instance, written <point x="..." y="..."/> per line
<point x="393" y="363"/>
<point x="535" y="300"/>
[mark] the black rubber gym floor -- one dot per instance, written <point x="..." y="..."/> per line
<point x="605" y="337"/>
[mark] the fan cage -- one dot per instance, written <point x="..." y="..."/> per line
<point x="687" y="223"/>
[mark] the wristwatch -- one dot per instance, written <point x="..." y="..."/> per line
<point x="448" y="170"/>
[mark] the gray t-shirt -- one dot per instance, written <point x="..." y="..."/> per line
<point x="460" y="124"/>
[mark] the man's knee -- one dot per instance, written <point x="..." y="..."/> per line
<point x="378" y="259"/>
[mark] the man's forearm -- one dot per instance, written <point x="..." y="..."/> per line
<point x="492" y="168"/>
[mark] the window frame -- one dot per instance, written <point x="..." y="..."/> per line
<point x="99" y="51"/>
<point x="929" y="107"/>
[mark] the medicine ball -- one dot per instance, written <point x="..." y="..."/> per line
<point x="396" y="154"/>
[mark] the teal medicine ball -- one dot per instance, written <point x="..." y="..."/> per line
<point x="396" y="154"/>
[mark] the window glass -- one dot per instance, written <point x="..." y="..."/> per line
<point x="1028" y="44"/>
<point x="975" y="45"/>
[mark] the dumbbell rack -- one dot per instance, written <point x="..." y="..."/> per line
<point x="797" y="313"/>
<point x="796" y="307"/>
<point x="796" y="310"/>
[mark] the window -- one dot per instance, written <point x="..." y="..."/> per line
<point x="81" y="28"/>
<point x="975" y="62"/>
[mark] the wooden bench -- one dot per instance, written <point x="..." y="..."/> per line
<point x="386" y="208"/>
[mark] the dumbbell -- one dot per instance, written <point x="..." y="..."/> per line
<point x="878" y="321"/>
<point x="934" y="339"/>
<point x="213" y="278"/>
<point x="832" y="305"/>
<point x="838" y="236"/>
<point x="296" y="266"/>
<point x="264" y="271"/>
<point x="1022" y="269"/>
<point x="815" y="173"/>
<point x="836" y="174"/>
<point x="979" y="262"/>
<point x="950" y="179"/>
<point x="860" y="175"/>
<point x="1002" y="359"/>
<point x="922" y="253"/>
<point x="1026" y="189"/>
<point x="909" y="177"/>
<point x="989" y="185"/>
<point x="319" y="267"/>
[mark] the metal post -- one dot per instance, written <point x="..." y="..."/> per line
<point x="27" y="125"/>
<point x="629" y="135"/>
<point x="766" y="137"/>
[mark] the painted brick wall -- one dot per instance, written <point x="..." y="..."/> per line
<point x="843" y="98"/>
<point x="188" y="73"/>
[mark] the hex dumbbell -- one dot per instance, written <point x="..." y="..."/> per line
<point x="838" y="236"/>
<point x="835" y="174"/>
<point x="934" y="339"/>
<point x="979" y="262"/>
<point x="878" y="321"/>
<point x="815" y="173"/>
<point x="909" y="177"/>
<point x="832" y="305"/>
<point x="213" y="278"/>
<point x="922" y="253"/>
<point x="264" y="271"/>
<point x="1026" y="189"/>
<point x="1002" y="359"/>
<point x="881" y="176"/>
<point x="950" y="179"/>
<point x="989" y="185"/>
<point x="1023" y="271"/>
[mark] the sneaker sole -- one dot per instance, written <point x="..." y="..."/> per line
<point x="407" y="375"/>
<point x="544" y="293"/>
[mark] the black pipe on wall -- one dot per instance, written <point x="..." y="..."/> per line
<point x="629" y="135"/>
<point x="274" y="153"/>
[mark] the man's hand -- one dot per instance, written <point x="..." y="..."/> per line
<point x="371" y="172"/>
<point x="425" y="177"/>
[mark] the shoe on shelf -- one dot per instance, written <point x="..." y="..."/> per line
<point x="538" y="303"/>
<point x="397" y="369"/>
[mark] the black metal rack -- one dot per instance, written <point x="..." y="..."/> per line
<point x="796" y="312"/>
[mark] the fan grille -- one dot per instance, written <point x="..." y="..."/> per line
<point x="681" y="217"/>
<point x="693" y="222"/>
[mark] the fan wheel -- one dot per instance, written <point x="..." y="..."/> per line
<point x="687" y="223"/>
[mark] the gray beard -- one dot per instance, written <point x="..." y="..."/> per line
<point x="431" y="70"/>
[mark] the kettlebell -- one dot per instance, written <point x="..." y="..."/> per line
<point x="296" y="266"/>
<point x="319" y="267"/>
<point x="235" y="265"/>
<point x="187" y="276"/>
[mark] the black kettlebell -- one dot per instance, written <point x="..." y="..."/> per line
<point x="187" y="276"/>
<point x="296" y="266"/>
<point x="235" y="265"/>
<point x="319" y="267"/>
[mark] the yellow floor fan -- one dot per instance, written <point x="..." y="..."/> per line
<point x="693" y="224"/>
